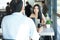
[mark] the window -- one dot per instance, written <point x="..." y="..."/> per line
<point x="58" y="6"/>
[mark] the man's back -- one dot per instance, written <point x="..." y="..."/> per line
<point x="17" y="26"/>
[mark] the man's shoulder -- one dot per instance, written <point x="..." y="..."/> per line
<point x="6" y="17"/>
<point x="29" y="19"/>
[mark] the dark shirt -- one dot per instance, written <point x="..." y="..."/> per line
<point x="45" y="9"/>
<point x="8" y="9"/>
<point x="28" y="10"/>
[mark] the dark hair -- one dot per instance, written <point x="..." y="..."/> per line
<point x="8" y="3"/>
<point x="42" y="1"/>
<point x="19" y="7"/>
<point x="16" y="7"/>
<point x="39" y="13"/>
<point x="17" y="1"/>
<point x="27" y="2"/>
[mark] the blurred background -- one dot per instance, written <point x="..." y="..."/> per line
<point x="53" y="12"/>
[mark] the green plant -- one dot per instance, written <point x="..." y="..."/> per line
<point x="48" y="22"/>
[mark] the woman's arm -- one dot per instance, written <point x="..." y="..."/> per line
<point x="43" y="19"/>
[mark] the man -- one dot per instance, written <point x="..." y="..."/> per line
<point x="19" y="27"/>
<point x="44" y="8"/>
<point x="28" y="9"/>
<point x="8" y="12"/>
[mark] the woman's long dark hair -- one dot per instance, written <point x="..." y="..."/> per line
<point x="39" y="13"/>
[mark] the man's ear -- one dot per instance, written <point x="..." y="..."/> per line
<point x="23" y="11"/>
<point x="23" y="6"/>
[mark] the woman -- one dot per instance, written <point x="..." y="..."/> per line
<point x="37" y="16"/>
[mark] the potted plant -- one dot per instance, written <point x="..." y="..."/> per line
<point x="48" y="21"/>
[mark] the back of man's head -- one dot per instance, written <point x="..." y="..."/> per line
<point x="17" y="7"/>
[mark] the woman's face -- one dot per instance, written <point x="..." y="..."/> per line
<point x="36" y="9"/>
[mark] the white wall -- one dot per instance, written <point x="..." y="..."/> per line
<point x="31" y="2"/>
<point x="3" y="3"/>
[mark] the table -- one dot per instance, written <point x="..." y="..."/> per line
<point x="47" y="32"/>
